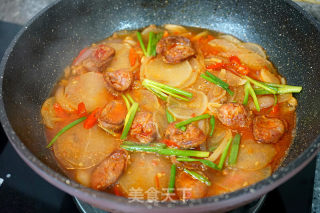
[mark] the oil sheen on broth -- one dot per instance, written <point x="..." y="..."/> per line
<point x="132" y="99"/>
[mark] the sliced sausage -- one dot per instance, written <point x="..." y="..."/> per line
<point x="267" y="130"/>
<point x="192" y="137"/>
<point x="95" y="58"/>
<point x="119" y="80"/>
<point x="189" y="188"/>
<point x="113" y="115"/>
<point x="175" y="49"/>
<point x="109" y="170"/>
<point x="234" y="115"/>
<point x="143" y="127"/>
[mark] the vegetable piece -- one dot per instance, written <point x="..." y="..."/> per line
<point x="249" y="90"/>
<point x="82" y="111"/>
<point x="234" y="149"/>
<point x="167" y="88"/>
<point x="190" y="120"/>
<point x="92" y="119"/>
<point x="126" y="101"/>
<point x="152" y="43"/>
<point x="224" y="154"/>
<point x="156" y="70"/>
<point x="281" y="89"/>
<point x="141" y="173"/>
<point x="214" y="79"/>
<point x="212" y="124"/>
<point x="203" y="161"/>
<point x="262" y="85"/>
<point x="111" y="132"/>
<point x="253" y="155"/>
<point x="89" y="88"/>
<point x="59" y="111"/>
<point x="238" y="178"/>
<point x="172" y="178"/>
<point x="219" y="140"/>
<point x="130" y="98"/>
<point x="197" y="176"/>
<point x="188" y="109"/>
<point x="72" y="124"/>
<point x="48" y="113"/>
<point x="129" y="120"/>
<point x="170" y="117"/>
<point x="141" y="43"/>
<point x="167" y="151"/>
<point x="132" y="57"/>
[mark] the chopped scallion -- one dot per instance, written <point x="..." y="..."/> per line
<point x="212" y="124"/>
<point x="141" y="43"/>
<point x="262" y="85"/>
<point x="126" y="101"/>
<point x="128" y="121"/>
<point x="69" y="126"/>
<point x="165" y="151"/>
<point x="214" y="79"/>
<point x="197" y="176"/>
<point x="224" y="154"/>
<point x="170" y="117"/>
<point x="190" y="120"/>
<point x="249" y="90"/>
<point x="172" y="178"/>
<point x="234" y="149"/>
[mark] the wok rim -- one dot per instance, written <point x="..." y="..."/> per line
<point x="106" y="200"/>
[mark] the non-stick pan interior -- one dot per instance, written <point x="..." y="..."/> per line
<point x="37" y="59"/>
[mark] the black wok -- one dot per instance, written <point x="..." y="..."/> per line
<point x="38" y="54"/>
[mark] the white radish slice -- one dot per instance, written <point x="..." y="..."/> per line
<point x="160" y="121"/>
<point x="230" y="38"/>
<point x="151" y="28"/>
<point x="233" y="179"/>
<point x="187" y="109"/>
<point x="83" y="176"/>
<point x="80" y="148"/>
<point x="142" y="171"/>
<point x="215" y="140"/>
<point x="254" y="156"/>
<point x="267" y="76"/>
<point x="146" y="99"/>
<point x="88" y="88"/>
<point x="48" y="114"/>
<point x="121" y="58"/>
<point x="265" y="101"/>
<point x="172" y="28"/>
<point x="284" y="97"/>
<point x="255" y="48"/>
<point x="171" y="74"/>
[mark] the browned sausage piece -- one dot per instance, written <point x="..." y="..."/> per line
<point x="143" y="128"/>
<point x="192" y="137"/>
<point x="113" y="115"/>
<point x="119" y="80"/>
<point x="189" y="188"/>
<point x="234" y="115"/>
<point x="98" y="58"/>
<point x="267" y="130"/>
<point x="109" y="170"/>
<point x="175" y="49"/>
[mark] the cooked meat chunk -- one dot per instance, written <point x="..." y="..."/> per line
<point x="189" y="188"/>
<point x="119" y="80"/>
<point x="267" y="130"/>
<point x="192" y="137"/>
<point x="143" y="127"/>
<point x="109" y="170"/>
<point x="234" y="115"/>
<point x="113" y="115"/>
<point x="175" y="49"/>
<point x="95" y="58"/>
